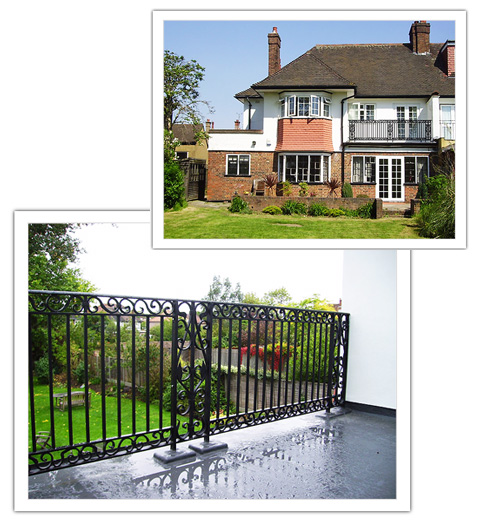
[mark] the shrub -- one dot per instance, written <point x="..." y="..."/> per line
<point x="173" y="187"/>
<point x="347" y="190"/>
<point x="294" y="207"/>
<point x="364" y="196"/>
<point x="365" y="211"/>
<point x="303" y="189"/>
<point x="316" y="209"/>
<point x="287" y="188"/>
<point x="335" y="212"/>
<point x="271" y="181"/>
<point x="42" y="371"/>
<point x="272" y="210"/>
<point x="333" y="185"/>
<point x="239" y="206"/>
<point x="436" y="218"/>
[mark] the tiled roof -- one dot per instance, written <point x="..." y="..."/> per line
<point x="375" y="70"/>
<point x="250" y="93"/>
<point x="185" y="133"/>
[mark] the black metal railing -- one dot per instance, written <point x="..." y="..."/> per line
<point x="390" y="130"/>
<point x="112" y="375"/>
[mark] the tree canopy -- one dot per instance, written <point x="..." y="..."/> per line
<point x="52" y="251"/>
<point x="224" y="291"/>
<point x="181" y="81"/>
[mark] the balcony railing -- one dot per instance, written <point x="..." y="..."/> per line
<point x="112" y="375"/>
<point x="390" y="130"/>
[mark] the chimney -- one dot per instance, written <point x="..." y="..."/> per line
<point x="237" y="124"/>
<point x="448" y="56"/>
<point x="207" y="126"/>
<point x="273" y="52"/>
<point x="420" y="37"/>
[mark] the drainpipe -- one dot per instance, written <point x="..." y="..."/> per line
<point x="249" y="112"/>
<point x="343" y="144"/>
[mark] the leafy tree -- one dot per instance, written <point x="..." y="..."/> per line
<point x="52" y="250"/>
<point x="223" y="291"/>
<point x="277" y="297"/>
<point x="173" y="186"/>
<point x="181" y="90"/>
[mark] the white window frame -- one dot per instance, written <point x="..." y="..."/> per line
<point x="356" y="109"/>
<point x="363" y="175"/>
<point x="237" y="155"/>
<point x="290" y="106"/>
<point x="416" y="157"/>
<point x="282" y="167"/>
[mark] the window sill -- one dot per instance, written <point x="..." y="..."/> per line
<point x="229" y="175"/>
<point x="363" y="184"/>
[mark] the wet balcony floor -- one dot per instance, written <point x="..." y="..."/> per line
<point x="314" y="456"/>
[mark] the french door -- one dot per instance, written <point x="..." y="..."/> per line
<point x="390" y="179"/>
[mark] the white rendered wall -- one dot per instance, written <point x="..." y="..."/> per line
<point x="369" y="295"/>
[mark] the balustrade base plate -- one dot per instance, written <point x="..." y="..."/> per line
<point x="334" y="411"/>
<point x="169" y="456"/>
<point x="207" y="447"/>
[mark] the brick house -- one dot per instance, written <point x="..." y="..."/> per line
<point x="377" y="116"/>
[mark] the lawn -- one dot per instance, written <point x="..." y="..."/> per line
<point x="43" y="422"/>
<point x="204" y="222"/>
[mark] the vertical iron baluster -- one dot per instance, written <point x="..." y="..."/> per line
<point x="229" y="365"/>
<point x="173" y="387"/>
<point x="30" y="383"/>
<point x="301" y="365"/>
<point x="119" y="387"/>
<point x="326" y="340"/>
<point x="331" y="352"/>
<point x="147" y="380"/>
<point x="69" y="380"/>
<point x="50" y="378"/>
<point x="219" y="364"/>
<point x="133" y="376"/>
<point x="208" y="379"/>
<point x="247" y="377"/>
<point x="102" y="361"/>
<point x="239" y="355"/>
<point x="280" y="366"/>
<point x="314" y="360"/>
<point x="160" y="402"/>
<point x="265" y="354"/>
<point x="85" y="363"/>
<point x="288" y="364"/>
<point x="308" y="362"/>
<point x="192" y="332"/>
<point x="273" y="365"/>
<point x="256" y="366"/>
<point x="295" y="330"/>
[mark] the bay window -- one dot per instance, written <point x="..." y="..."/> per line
<point x="308" y="168"/>
<point x="305" y="106"/>
<point x="238" y="164"/>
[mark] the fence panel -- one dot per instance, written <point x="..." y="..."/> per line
<point x="110" y="376"/>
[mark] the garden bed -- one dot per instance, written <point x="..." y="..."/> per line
<point x="258" y="203"/>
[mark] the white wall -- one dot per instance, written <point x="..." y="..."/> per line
<point x="369" y="295"/>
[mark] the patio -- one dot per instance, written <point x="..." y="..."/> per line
<point x="313" y="456"/>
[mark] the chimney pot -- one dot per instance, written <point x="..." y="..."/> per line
<point x="237" y="124"/>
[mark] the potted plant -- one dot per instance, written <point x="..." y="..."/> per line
<point x="271" y="181"/>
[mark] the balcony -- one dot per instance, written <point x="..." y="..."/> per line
<point x="390" y="130"/>
<point x="447" y="130"/>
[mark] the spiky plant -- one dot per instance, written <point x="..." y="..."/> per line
<point x="333" y="185"/>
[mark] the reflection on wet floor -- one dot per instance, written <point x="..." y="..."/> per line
<point x="352" y="456"/>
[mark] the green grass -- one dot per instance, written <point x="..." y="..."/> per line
<point x="43" y="419"/>
<point x="217" y="223"/>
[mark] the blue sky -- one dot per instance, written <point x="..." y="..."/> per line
<point x="235" y="53"/>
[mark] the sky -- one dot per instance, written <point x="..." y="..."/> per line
<point x="235" y="53"/>
<point x="118" y="260"/>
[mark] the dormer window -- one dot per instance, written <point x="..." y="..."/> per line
<point x="305" y="106"/>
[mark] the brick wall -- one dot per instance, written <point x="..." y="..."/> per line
<point x="221" y="187"/>
<point x="304" y="135"/>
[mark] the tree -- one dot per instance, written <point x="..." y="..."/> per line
<point x="181" y="95"/>
<point x="224" y="292"/>
<point x="52" y="250"/>
<point x="277" y="297"/>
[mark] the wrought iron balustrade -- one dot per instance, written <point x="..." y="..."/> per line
<point x="156" y="372"/>
<point x="390" y="130"/>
